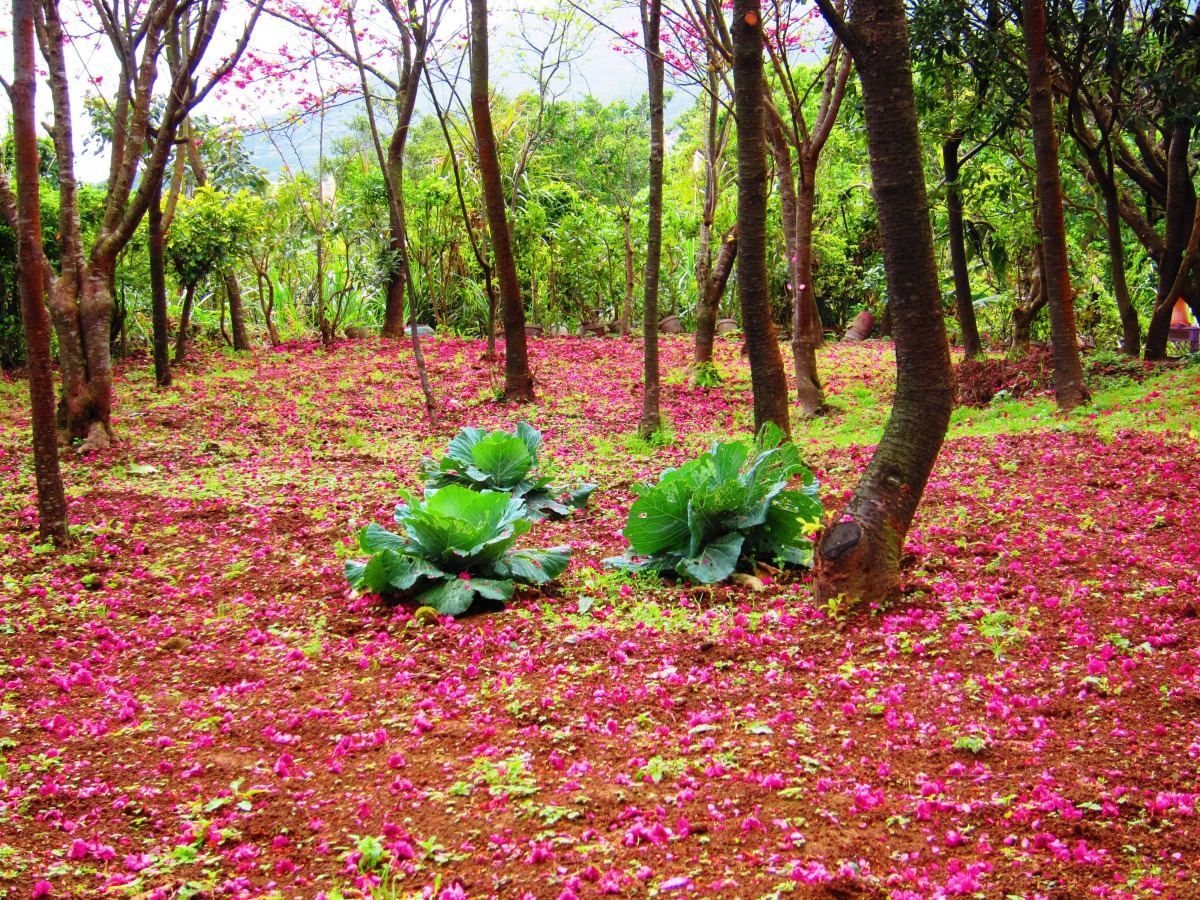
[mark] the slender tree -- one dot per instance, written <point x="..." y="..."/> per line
<point x="767" y="376"/>
<point x="798" y="184"/>
<point x="859" y="557"/>
<point x="651" y="25"/>
<point x="963" y="300"/>
<point x="51" y="500"/>
<point x="1069" y="389"/>
<point x="156" y="239"/>
<point x="518" y="383"/>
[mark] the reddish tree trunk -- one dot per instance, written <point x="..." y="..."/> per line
<point x="651" y="415"/>
<point x="51" y="500"/>
<point x="1069" y="389"/>
<point x="767" y="376"/>
<point x="859" y="557"/>
<point x="518" y="383"/>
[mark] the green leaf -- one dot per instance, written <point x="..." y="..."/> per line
<point x="462" y="443"/>
<point x="373" y="538"/>
<point x="493" y="588"/>
<point x="139" y="469"/>
<point x="530" y="437"/>
<point x="450" y="598"/>
<point x="539" y="566"/>
<point x="658" y="520"/>
<point x="503" y="459"/>
<point x="380" y="568"/>
<point x="716" y="561"/>
<point x="354" y="572"/>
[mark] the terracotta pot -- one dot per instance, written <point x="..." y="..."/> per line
<point x="671" y="325"/>
<point x="725" y="326"/>
<point x="559" y="331"/>
<point x="860" y="330"/>
<point x="533" y="331"/>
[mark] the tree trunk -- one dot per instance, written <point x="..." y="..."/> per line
<point x="627" y="309"/>
<point x="706" y="316"/>
<point x="651" y="415"/>
<point x="1131" y="329"/>
<point x="185" y="321"/>
<point x="859" y="557"/>
<point x="706" y="310"/>
<point x="1069" y="389"/>
<point x="806" y="324"/>
<point x="958" y="251"/>
<point x="237" y="313"/>
<point x="393" y="307"/>
<point x="158" y="292"/>
<point x="82" y="315"/>
<point x="797" y="205"/>
<point x="518" y="383"/>
<point x="51" y="499"/>
<point x="767" y="376"/>
<point x="268" y="307"/>
<point x="1181" y="203"/>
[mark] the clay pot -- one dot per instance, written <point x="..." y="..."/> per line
<point x="671" y="325"/>
<point x="559" y="331"/>
<point x="725" y="326"/>
<point x="533" y="331"/>
<point x="860" y="330"/>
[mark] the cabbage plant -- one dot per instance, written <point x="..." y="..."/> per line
<point x="483" y="460"/>
<point x="735" y="501"/>
<point x="454" y="546"/>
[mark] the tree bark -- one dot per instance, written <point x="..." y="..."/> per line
<point x="963" y="301"/>
<point x="1131" y="329"/>
<point x="1069" y="388"/>
<point x="627" y="309"/>
<point x="51" y="499"/>
<point x="858" y="558"/>
<point x="237" y="313"/>
<point x="651" y="415"/>
<point x="706" y="311"/>
<point x="797" y="206"/>
<point x="158" y="292"/>
<point x="767" y="378"/>
<point x="1181" y="204"/>
<point x="518" y="383"/>
<point x="185" y="322"/>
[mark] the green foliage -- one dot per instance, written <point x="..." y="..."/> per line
<point x="733" y="501"/>
<point x="482" y="460"/>
<point x="210" y="230"/>
<point x="456" y="545"/>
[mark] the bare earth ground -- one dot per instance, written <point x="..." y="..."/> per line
<point x="195" y="705"/>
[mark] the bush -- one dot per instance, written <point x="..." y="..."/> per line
<point x="733" y="501"/>
<point x="457" y="545"/>
<point x="482" y="460"/>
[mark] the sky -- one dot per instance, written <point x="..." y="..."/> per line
<point x="601" y="71"/>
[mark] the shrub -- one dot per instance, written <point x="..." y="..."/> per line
<point x="733" y="501"/>
<point x="456" y="545"/>
<point x="482" y="460"/>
